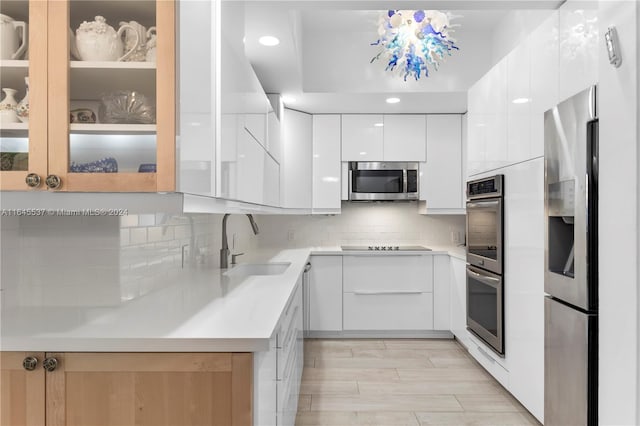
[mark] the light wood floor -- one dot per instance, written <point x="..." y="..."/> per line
<point x="401" y="382"/>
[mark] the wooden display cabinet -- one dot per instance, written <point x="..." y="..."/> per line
<point x="60" y="83"/>
<point x="133" y="389"/>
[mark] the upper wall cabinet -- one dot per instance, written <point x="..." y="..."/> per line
<point x="295" y="173"/>
<point x="441" y="176"/>
<point x="362" y="137"/>
<point x="371" y="137"/>
<point x="404" y="138"/>
<point x="326" y="163"/>
<point x="96" y="120"/>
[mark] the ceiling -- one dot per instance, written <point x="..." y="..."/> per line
<point x="323" y="59"/>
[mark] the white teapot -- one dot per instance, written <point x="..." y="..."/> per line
<point x="98" y="41"/>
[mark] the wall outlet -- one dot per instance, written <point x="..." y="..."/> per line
<point x="291" y="235"/>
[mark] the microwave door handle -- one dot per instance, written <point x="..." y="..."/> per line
<point x="493" y="282"/>
<point x="483" y="204"/>
<point x="405" y="187"/>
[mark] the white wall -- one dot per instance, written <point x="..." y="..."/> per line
<point x="513" y="29"/>
<point x="619" y="217"/>
<point x="361" y="224"/>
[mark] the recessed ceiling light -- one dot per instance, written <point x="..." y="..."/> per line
<point x="378" y="124"/>
<point x="363" y="153"/>
<point x="520" y="100"/>
<point x="269" y="41"/>
<point x="288" y="99"/>
<point x="393" y="100"/>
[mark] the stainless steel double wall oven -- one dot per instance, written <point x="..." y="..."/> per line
<point x="485" y="293"/>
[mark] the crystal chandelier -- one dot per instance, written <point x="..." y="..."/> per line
<point x="411" y="40"/>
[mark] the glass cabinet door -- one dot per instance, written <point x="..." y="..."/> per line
<point x="23" y="102"/>
<point x="111" y="95"/>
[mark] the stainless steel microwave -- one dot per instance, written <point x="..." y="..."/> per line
<point x="383" y="181"/>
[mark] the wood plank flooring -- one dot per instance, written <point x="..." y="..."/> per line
<point x="401" y="382"/>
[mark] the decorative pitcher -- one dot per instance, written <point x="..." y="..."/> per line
<point x="139" y="35"/>
<point x="98" y="41"/>
<point x="22" y="109"/>
<point x="12" y="43"/>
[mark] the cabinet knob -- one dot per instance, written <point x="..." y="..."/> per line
<point x="30" y="363"/>
<point x="33" y="180"/>
<point x="53" y="181"/>
<point x="50" y="364"/>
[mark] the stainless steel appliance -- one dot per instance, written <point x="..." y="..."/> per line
<point x="571" y="261"/>
<point x="385" y="248"/>
<point x="484" y="223"/>
<point x="383" y="181"/>
<point x="485" y="284"/>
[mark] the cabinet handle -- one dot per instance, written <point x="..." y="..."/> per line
<point x="32" y="180"/>
<point x="53" y="181"/>
<point x="50" y="364"/>
<point x="377" y="293"/>
<point x="30" y="363"/>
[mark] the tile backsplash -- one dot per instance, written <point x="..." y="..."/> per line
<point x="101" y="261"/>
<point x="361" y="224"/>
<point x="98" y="261"/>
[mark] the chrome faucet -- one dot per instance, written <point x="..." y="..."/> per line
<point x="224" y="251"/>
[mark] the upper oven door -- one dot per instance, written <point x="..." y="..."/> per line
<point x="484" y="234"/>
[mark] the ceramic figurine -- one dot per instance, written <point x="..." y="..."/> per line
<point x="8" y="107"/>
<point x="22" y="109"/>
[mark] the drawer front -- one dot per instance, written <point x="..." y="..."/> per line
<point x="488" y="360"/>
<point x="408" y="311"/>
<point x="388" y="272"/>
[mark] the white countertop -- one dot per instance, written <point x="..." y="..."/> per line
<point x="203" y="311"/>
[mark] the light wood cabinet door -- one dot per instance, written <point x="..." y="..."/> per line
<point x="23" y="145"/>
<point x="154" y="389"/>
<point x="21" y="391"/>
<point x="93" y="154"/>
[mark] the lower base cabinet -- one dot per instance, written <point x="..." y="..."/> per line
<point x="115" y="389"/>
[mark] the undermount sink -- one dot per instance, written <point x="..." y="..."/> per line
<point x="271" y="268"/>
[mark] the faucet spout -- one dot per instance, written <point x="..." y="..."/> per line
<point x="224" y="251"/>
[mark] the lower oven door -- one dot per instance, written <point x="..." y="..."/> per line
<point x="485" y="310"/>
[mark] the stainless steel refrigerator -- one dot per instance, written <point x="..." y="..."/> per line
<point x="571" y="262"/>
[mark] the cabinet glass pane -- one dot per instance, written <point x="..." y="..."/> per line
<point x="112" y="86"/>
<point x="14" y="70"/>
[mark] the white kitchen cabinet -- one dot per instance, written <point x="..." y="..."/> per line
<point x="326" y="163"/>
<point x="487" y="132"/>
<point x="394" y="310"/>
<point x="404" y="137"/>
<point x="274" y="136"/>
<point x="524" y="282"/>
<point x="441" y="293"/>
<point x="441" y="180"/>
<point x="271" y="181"/>
<point x="250" y="169"/>
<point x="362" y="137"/>
<point x="370" y="273"/>
<point x="458" y="299"/>
<point x="344" y="190"/>
<point x="278" y="371"/>
<point x="519" y="142"/>
<point x="387" y="292"/>
<point x="325" y="293"/>
<point x="295" y="171"/>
